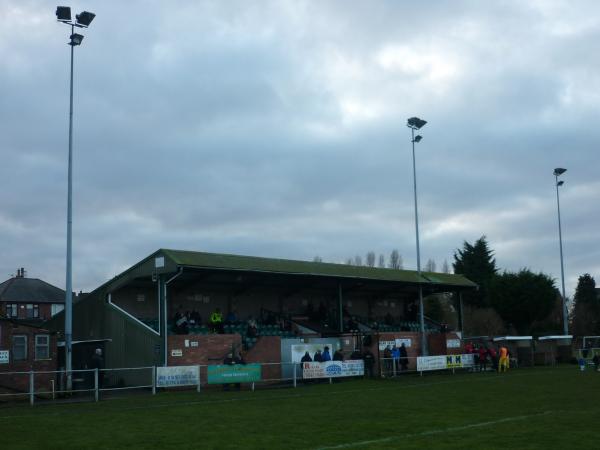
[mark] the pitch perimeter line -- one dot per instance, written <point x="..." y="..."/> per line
<point x="436" y="431"/>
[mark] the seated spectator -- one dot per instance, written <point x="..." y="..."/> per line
<point x="231" y="318"/>
<point x="181" y="323"/>
<point x="252" y="330"/>
<point x="388" y="319"/>
<point x="216" y="321"/>
<point x="338" y="356"/>
<point x="326" y="356"/>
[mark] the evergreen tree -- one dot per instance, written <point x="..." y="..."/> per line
<point x="522" y="298"/>
<point x="586" y="311"/>
<point x="477" y="263"/>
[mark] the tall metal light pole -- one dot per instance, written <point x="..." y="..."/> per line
<point x="414" y="123"/>
<point x="558" y="172"/>
<point x="83" y="20"/>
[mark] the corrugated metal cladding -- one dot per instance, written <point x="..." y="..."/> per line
<point x="131" y="345"/>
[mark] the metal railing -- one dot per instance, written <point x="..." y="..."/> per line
<point x="95" y="384"/>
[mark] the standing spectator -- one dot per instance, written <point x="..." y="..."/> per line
<point x="387" y="360"/>
<point x="98" y="363"/>
<point x="231" y="361"/>
<point x="494" y="357"/>
<point x="482" y="358"/>
<point x="468" y="347"/>
<point x="306" y="358"/>
<point x="318" y="356"/>
<point x="403" y="358"/>
<point x="338" y="356"/>
<point x="596" y="361"/>
<point x="326" y="355"/>
<point x="396" y="358"/>
<point x="369" y="360"/>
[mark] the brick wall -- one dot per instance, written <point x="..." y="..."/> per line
<point x="20" y="382"/>
<point x="210" y="348"/>
<point x="266" y="350"/>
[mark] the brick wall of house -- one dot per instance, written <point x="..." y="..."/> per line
<point x="45" y="311"/>
<point x="20" y="382"/>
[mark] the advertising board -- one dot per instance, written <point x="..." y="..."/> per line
<point x="177" y="376"/>
<point x="333" y="369"/>
<point x="239" y="373"/>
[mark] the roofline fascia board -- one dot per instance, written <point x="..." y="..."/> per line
<point x="118" y="308"/>
<point x="307" y="274"/>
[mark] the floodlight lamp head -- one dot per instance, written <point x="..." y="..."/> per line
<point x="85" y="18"/>
<point x="415" y="123"/>
<point x="560" y="183"/>
<point x="559" y="171"/>
<point x="418" y="138"/>
<point x="76" y="39"/>
<point x="63" y="13"/>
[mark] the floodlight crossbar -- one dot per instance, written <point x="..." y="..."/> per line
<point x="415" y="123"/>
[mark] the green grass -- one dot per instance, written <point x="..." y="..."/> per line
<point x="547" y="408"/>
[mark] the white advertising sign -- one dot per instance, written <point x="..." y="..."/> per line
<point x="442" y="362"/>
<point x="4" y="357"/>
<point x="333" y="369"/>
<point x="177" y="376"/>
<point x="452" y="343"/>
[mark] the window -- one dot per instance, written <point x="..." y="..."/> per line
<point x="42" y="346"/>
<point x="12" y="310"/>
<point x="32" y="310"/>
<point x="19" y="348"/>
<point x="56" y="308"/>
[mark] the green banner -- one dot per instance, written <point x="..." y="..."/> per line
<point x="239" y="373"/>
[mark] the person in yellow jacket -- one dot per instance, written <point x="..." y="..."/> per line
<point x="216" y="321"/>
<point x="503" y="363"/>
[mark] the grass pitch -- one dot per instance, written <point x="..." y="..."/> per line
<point x="547" y="408"/>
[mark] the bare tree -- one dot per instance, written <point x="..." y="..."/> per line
<point x="381" y="261"/>
<point x="430" y="266"/>
<point x="317" y="259"/>
<point x="395" y="260"/>
<point x="445" y="267"/>
<point x="358" y="260"/>
<point x="350" y="261"/>
<point x="370" y="260"/>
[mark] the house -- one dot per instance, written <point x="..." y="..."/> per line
<point x="30" y="299"/>
<point x="23" y="348"/>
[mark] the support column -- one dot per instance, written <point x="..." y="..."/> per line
<point x="162" y="314"/>
<point x="461" y="317"/>
<point x="340" y="308"/>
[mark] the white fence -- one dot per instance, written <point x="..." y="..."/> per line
<point x="94" y="383"/>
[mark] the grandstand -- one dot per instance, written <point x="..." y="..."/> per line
<point x="135" y="312"/>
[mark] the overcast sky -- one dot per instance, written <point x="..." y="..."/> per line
<point x="278" y="129"/>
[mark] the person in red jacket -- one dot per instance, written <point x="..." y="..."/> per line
<point x="482" y="358"/>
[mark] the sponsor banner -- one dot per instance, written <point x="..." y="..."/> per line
<point x="452" y="343"/>
<point x="4" y="357"/>
<point x="442" y="362"/>
<point x="239" y="373"/>
<point x="177" y="376"/>
<point x="333" y="369"/>
<point x="397" y="342"/>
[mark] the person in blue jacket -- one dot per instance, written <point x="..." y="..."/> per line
<point x="326" y="356"/>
